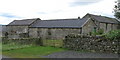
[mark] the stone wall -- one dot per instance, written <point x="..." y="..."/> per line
<point x="93" y="44"/>
<point x="108" y="27"/>
<point x="52" y="33"/>
<point x="88" y="27"/>
<point x="17" y="31"/>
<point x="23" y="41"/>
<point x="116" y="26"/>
<point x="33" y="32"/>
<point x="2" y="30"/>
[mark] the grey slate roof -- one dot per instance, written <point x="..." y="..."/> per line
<point x="63" y="23"/>
<point x="103" y="19"/>
<point x="23" y="22"/>
<point x="59" y="23"/>
<point x="71" y="23"/>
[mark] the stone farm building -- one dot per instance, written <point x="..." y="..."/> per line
<point x="59" y="28"/>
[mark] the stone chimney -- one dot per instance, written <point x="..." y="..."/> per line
<point x="78" y="17"/>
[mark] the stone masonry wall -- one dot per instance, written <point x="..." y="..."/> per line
<point x="52" y="33"/>
<point x="33" y="33"/>
<point x="93" y="44"/>
<point x="108" y="27"/>
<point x="88" y="27"/>
<point x="15" y="31"/>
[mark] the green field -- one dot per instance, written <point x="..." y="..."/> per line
<point x="12" y="46"/>
<point x="31" y="52"/>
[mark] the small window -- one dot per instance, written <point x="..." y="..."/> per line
<point x="49" y="31"/>
<point x="111" y="26"/>
<point x="80" y="31"/>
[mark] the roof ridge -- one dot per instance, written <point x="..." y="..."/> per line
<point x="29" y="19"/>
<point x="101" y="16"/>
<point x="59" y="19"/>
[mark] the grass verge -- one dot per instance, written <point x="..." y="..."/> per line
<point x="12" y="46"/>
<point x="31" y="52"/>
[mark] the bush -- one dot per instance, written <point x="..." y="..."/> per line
<point x="99" y="32"/>
<point x="114" y="34"/>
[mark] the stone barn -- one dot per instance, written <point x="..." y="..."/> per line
<point x="102" y="22"/>
<point x="20" y="28"/>
<point x="55" y="29"/>
<point x="59" y="28"/>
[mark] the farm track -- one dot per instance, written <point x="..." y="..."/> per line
<point x="76" y="54"/>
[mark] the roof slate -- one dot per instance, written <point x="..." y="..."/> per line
<point x="104" y="19"/>
<point x="63" y="23"/>
<point x="71" y="23"/>
<point x="59" y="23"/>
<point x="23" y="22"/>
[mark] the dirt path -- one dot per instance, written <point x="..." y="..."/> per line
<point x="75" y="54"/>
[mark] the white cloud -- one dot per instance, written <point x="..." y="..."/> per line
<point x="88" y="0"/>
<point x="52" y="9"/>
<point x="4" y="20"/>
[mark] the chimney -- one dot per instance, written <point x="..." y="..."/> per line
<point x="78" y="17"/>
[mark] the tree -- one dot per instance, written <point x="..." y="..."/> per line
<point x="117" y="10"/>
<point x="117" y="15"/>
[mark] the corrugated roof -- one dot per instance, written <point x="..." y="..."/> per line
<point x="59" y="23"/>
<point x="103" y="19"/>
<point x="23" y="22"/>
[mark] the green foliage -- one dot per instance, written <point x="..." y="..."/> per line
<point x="114" y="34"/>
<point x="99" y="32"/>
<point x="116" y="10"/>
<point x="117" y="15"/>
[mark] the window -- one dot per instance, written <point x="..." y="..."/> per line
<point x="95" y="29"/>
<point x="111" y="26"/>
<point x="106" y="26"/>
<point x="81" y="31"/>
<point x="49" y="31"/>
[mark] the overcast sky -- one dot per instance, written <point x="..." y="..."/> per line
<point x="52" y="9"/>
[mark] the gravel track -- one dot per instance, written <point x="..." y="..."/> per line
<point x="76" y="54"/>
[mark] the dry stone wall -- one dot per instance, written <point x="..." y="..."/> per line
<point x="93" y="44"/>
<point x="23" y="41"/>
